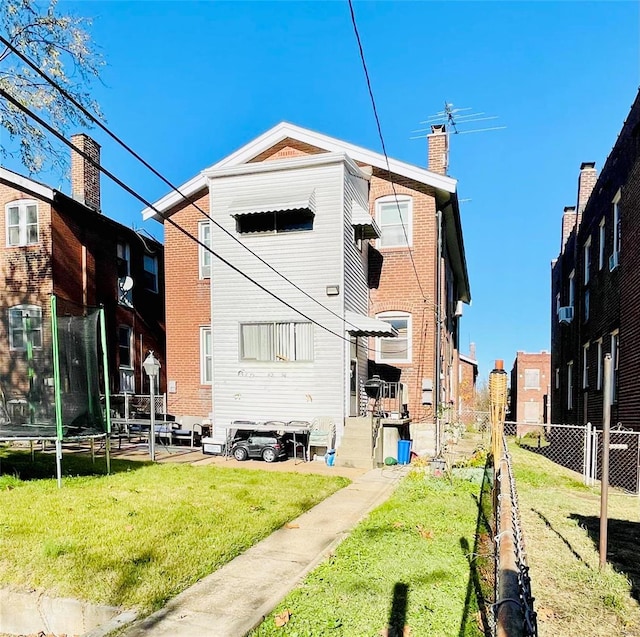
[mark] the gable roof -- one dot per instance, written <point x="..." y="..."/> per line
<point x="445" y="187"/>
<point x="25" y="183"/>
<point x="285" y="130"/>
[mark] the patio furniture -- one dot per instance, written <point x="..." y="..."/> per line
<point x="189" y="428"/>
<point x="321" y="434"/>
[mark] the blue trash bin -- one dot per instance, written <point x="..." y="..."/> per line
<point x="330" y="457"/>
<point x="404" y="451"/>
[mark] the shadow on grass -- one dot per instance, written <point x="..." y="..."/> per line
<point x="623" y="539"/>
<point x="562" y="537"/>
<point x="398" y="612"/>
<point x="20" y="464"/>
<point x="481" y="567"/>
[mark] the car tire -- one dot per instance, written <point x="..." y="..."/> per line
<point x="240" y="454"/>
<point x="269" y="455"/>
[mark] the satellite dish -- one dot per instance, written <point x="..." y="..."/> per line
<point x="126" y="283"/>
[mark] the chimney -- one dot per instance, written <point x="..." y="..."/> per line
<point x="438" y="142"/>
<point x="586" y="181"/>
<point x="568" y="224"/>
<point x="85" y="177"/>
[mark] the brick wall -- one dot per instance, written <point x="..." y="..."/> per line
<point x="521" y="395"/>
<point x="188" y="309"/>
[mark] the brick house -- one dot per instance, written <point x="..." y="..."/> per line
<point x="596" y="289"/>
<point x="392" y="277"/>
<point x="467" y="381"/>
<point x="59" y="244"/>
<point x="530" y="385"/>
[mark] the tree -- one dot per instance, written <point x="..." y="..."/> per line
<point x="60" y="46"/>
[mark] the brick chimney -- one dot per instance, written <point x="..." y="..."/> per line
<point x="568" y="224"/>
<point x="438" y="142"/>
<point x="85" y="178"/>
<point x="586" y="181"/>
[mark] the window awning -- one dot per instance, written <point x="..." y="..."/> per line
<point x="273" y="203"/>
<point x="360" y="218"/>
<point x="360" y="325"/>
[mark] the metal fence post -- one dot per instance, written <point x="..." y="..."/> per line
<point x="604" y="482"/>
<point x="586" y="469"/>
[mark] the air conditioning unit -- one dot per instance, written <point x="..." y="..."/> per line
<point x="613" y="261"/>
<point x="565" y="314"/>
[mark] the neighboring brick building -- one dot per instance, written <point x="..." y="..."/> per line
<point x="467" y="378"/>
<point x="596" y="290"/>
<point x="62" y="245"/>
<point x="530" y="385"/>
<point x="425" y="314"/>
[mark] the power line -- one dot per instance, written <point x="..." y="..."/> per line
<point x="178" y="227"/>
<point x="384" y="149"/>
<point x="147" y="165"/>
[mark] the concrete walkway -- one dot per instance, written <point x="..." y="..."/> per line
<point x="234" y="599"/>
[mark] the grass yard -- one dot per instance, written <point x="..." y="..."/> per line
<point x="560" y="518"/>
<point x="142" y="534"/>
<point x="407" y="564"/>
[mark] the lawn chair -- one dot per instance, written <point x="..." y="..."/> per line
<point x="299" y="445"/>
<point x="321" y="435"/>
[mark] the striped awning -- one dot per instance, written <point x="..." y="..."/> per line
<point x="270" y="203"/>
<point x="361" y="325"/>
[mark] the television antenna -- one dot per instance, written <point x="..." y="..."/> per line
<point x="454" y="119"/>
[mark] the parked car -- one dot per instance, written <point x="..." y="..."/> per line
<point x="270" y="447"/>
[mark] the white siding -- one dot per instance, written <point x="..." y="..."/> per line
<point x="312" y="259"/>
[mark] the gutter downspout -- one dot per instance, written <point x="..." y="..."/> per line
<point x="436" y="400"/>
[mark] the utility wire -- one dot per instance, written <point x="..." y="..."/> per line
<point x="173" y="187"/>
<point x="147" y="203"/>
<point x="384" y="149"/>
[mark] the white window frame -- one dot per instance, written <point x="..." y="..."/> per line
<point x="557" y="378"/>
<point x="585" y="366"/>
<point x="616" y="222"/>
<point x="206" y="356"/>
<point x="34" y="311"/>
<point x="570" y="385"/>
<point x="22" y="225"/>
<point x="587" y="260"/>
<point x="153" y="260"/>
<point x="294" y="338"/>
<point x="572" y="288"/>
<point x="599" y="363"/>
<point x="615" y="357"/>
<point x="388" y="317"/>
<point x="393" y="200"/>
<point x="602" y="238"/>
<point x="204" y="256"/>
<point x="123" y="252"/>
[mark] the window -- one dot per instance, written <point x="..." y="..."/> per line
<point x="127" y="378"/>
<point x="25" y="327"/>
<point x="599" y="360"/>
<point x="151" y="273"/>
<point x="585" y="366"/>
<point x="587" y="260"/>
<point x="275" y="222"/>
<point x="587" y="298"/>
<point x="394" y="217"/>
<point x="615" y="355"/>
<point x="601" y="238"/>
<point x="22" y="223"/>
<point x="123" y="264"/>
<point x="572" y="288"/>
<point x="532" y="412"/>
<point x="570" y="385"/>
<point x="616" y="224"/>
<point x="557" y="302"/>
<point x="206" y="356"/>
<point x="395" y="349"/>
<point x="532" y="379"/>
<point x="124" y="346"/>
<point x="557" y="378"/>
<point x="204" y="256"/>
<point x="277" y="342"/>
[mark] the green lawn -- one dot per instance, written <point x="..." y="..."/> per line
<point x="143" y="534"/>
<point x="407" y="564"/>
<point x="560" y="518"/>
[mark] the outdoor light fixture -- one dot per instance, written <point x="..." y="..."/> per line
<point x="152" y="368"/>
<point x="333" y="290"/>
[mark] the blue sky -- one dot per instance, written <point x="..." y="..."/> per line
<point x="186" y="83"/>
